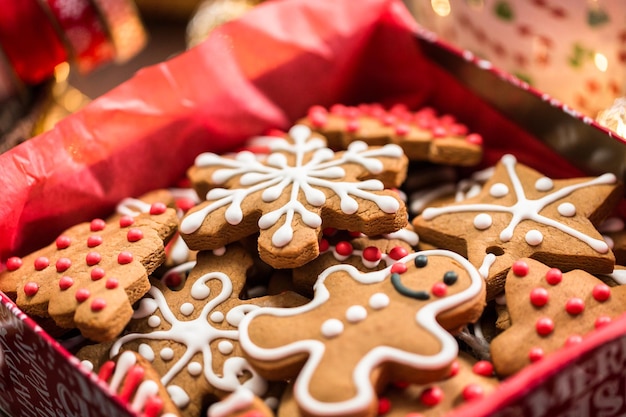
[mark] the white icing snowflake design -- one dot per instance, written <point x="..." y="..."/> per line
<point x="527" y="209"/>
<point x="197" y="334"/>
<point x="274" y="175"/>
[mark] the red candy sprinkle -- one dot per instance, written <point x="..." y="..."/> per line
<point x="324" y="245"/>
<point x="483" y="368"/>
<point x="544" y="326"/>
<point x="41" y="263"/>
<point x="94" y="240"/>
<point x="455" y="368"/>
<point x="63" y="242"/>
<point x="554" y="276"/>
<point x="431" y="396"/>
<point x="157" y="208"/>
<point x="82" y="294"/>
<point x="97" y="273"/>
<point x="31" y="288"/>
<point x="472" y="392"/>
<point x="185" y="204"/>
<point x="65" y="282"/>
<point x="134" y="235"/>
<point x="439" y="289"/>
<point x="388" y="119"/>
<point x="398" y="268"/>
<point x="474" y="138"/>
<point x="384" y="406"/>
<point x="601" y="292"/>
<point x="539" y="297"/>
<point x="372" y="254"/>
<point x="63" y="264"/>
<point x="574" y="339"/>
<point x="97" y="225"/>
<point x="439" y="132"/>
<point x="98" y="304"/>
<point x="111" y="283"/>
<point x="353" y="125"/>
<point x="398" y="252"/>
<point x="602" y="321"/>
<point x="93" y="258"/>
<point x="317" y="115"/>
<point x="344" y="248"/>
<point x="575" y="306"/>
<point x="535" y="354"/>
<point x="520" y="268"/>
<point x="126" y="221"/>
<point x="402" y="129"/>
<point x="124" y="258"/>
<point x="13" y="263"/>
<point x="329" y="231"/>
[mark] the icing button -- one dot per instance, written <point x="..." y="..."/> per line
<point x="157" y="208"/>
<point x="82" y="294"/>
<point x="472" y="392"/>
<point x="554" y="276"/>
<point x="601" y="292"/>
<point x="31" y="288"/>
<point x="13" y="263"/>
<point x="97" y="225"/>
<point x="520" y="268"/>
<point x="63" y="242"/>
<point x="535" y="354"/>
<point x="126" y="221"/>
<point x="65" y="282"/>
<point x="431" y="396"/>
<point x="93" y="258"/>
<point x="41" y="263"/>
<point x="124" y="258"/>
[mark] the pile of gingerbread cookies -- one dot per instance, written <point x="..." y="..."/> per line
<point x="340" y="269"/>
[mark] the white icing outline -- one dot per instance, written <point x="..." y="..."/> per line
<point x="365" y="395"/>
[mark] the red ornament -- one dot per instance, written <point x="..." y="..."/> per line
<point x="398" y="252"/>
<point x="31" y="288"/>
<point x="97" y="225"/>
<point x="439" y="289"/>
<point x="535" y="354"/>
<point x="63" y="264"/>
<point x="126" y="221"/>
<point x="554" y="276"/>
<point x="157" y="208"/>
<point x="472" y="392"/>
<point x="63" y="242"/>
<point x="94" y="240"/>
<point x="601" y="292"/>
<point x="124" y="258"/>
<point x="13" y="263"/>
<point x="65" y="282"/>
<point x="431" y="396"/>
<point x="575" y="306"/>
<point x="544" y="326"/>
<point x="82" y="294"/>
<point x="520" y="268"/>
<point x="93" y="258"/>
<point x="134" y="235"/>
<point x="98" y="304"/>
<point x="539" y="297"/>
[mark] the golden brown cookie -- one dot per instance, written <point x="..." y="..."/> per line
<point x="548" y="310"/>
<point x="360" y="331"/>
<point x="93" y="273"/>
<point x="522" y="213"/>
<point x="423" y="135"/>
<point x="191" y="335"/>
<point x="300" y="188"/>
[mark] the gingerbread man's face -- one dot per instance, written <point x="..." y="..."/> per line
<point x="363" y="328"/>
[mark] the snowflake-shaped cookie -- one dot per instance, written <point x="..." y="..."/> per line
<point x="301" y="187"/>
<point x="191" y="336"/>
<point x="362" y="328"/>
<point x="522" y="213"/>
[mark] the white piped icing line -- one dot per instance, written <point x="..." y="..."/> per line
<point x="239" y="400"/>
<point x="274" y="175"/>
<point x="528" y="209"/>
<point x="197" y="334"/>
<point x="426" y="317"/>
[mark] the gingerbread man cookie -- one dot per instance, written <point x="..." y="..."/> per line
<point x="190" y="335"/>
<point x="522" y="213"/>
<point x="360" y="330"/>
<point x="423" y="134"/>
<point x="549" y="309"/>
<point x="93" y="273"/>
<point x="301" y="187"/>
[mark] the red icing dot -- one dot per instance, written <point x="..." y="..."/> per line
<point x="126" y="221"/>
<point x="520" y="268"/>
<point x="329" y="231"/>
<point x="472" y="392"/>
<point x="324" y="245"/>
<point x="372" y="254"/>
<point x="574" y="339"/>
<point x="63" y="264"/>
<point x="31" y="288"/>
<point x="474" y="138"/>
<point x="344" y="248"/>
<point x="439" y="131"/>
<point x="388" y="119"/>
<point x="63" y="242"/>
<point x="544" y="326"/>
<point x="65" y="282"/>
<point x="402" y="129"/>
<point x="317" y="115"/>
<point x="353" y="125"/>
<point x="398" y="252"/>
<point x="13" y="263"/>
<point x="336" y="109"/>
<point x="124" y="258"/>
<point x="157" y="208"/>
<point x="461" y="130"/>
<point x="93" y="258"/>
<point x="535" y="354"/>
<point x="431" y="396"/>
<point x="41" y="263"/>
<point x="97" y="273"/>
<point x="111" y="283"/>
<point x="98" y="304"/>
<point x="554" y="276"/>
<point x="439" y="289"/>
<point x="384" y="406"/>
<point x="575" y="306"/>
<point x="483" y="368"/>
<point x="134" y="235"/>
<point x="97" y="225"/>
<point x="602" y="321"/>
<point x="539" y="297"/>
<point x="185" y="204"/>
<point x="398" y="268"/>
<point x="94" y="240"/>
<point x="454" y="368"/>
<point x="82" y="294"/>
<point x="601" y="292"/>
